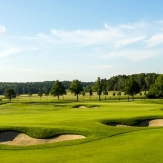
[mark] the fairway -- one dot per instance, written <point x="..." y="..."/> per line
<point x="103" y="142"/>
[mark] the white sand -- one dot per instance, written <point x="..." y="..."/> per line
<point x="121" y="125"/>
<point x="118" y="125"/>
<point x="82" y="107"/>
<point x="17" y="138"/>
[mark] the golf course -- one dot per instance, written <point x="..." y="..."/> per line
<point x="51" y="130"/>
<point x="81" y="81"/>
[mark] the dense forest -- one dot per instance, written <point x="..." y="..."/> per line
<point x="34" y="87"/>
<point x="115" y="83"/>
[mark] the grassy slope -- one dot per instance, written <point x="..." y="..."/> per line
<point x="132" y="147"/>
<point x="104" y="143"/>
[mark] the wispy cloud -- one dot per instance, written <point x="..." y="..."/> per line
<point x="135" y="41"/>
<point x="2" y="29"/>
<point x="9" y="51"/>
<point x="114" y="36"/>
<point x="133" y="54"/>
<point x="155" y="40"/>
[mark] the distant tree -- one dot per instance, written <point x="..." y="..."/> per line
<point x="150" y="79"/>
<point x="157" y="88"/>
<point x="131" y="87"/>
<point x="76" y="87"/>
<point x="58" y="89"/>
<point x="30" y="94"/>
<point x="46" y="93"/>
<point x="105" y="93"/>
<point x="89" y="89"/>
<point x="17" y="95"/>
<point x="64" y="94"/>
<point x="140" y="93"/>
<point x="104" y="88"/>
<point x="40" y="93"/>
<point x="119" y="94"/>
<point x="9" y="93"/>
<point x="83" y="94"/>
<point x="98" y="87"/>
<point x="145" y="95"/>
<point x="119" y="85"/>
<point x="125" y="95"/>
<point x="113" y="94"/>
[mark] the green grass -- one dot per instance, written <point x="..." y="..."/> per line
<point x="103" y="143"/>
<point x="71" y="97"/>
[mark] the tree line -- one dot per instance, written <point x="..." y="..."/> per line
<point x="33" y="87"/>
<point x="115" y="83"/>
<point x="131" y="86"/>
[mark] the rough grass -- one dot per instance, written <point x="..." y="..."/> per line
<point x="103" y="143"/>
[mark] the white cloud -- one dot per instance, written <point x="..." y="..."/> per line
<point x="127" y="41"/>
<point x="9" y="51"/>
<point x="155" y="40"/>
<point x="114" y="36"/>
<point x="136" y="41"/>
<point x="2" y="29"/>
<point x="134" y="54"/>
<point x="82" y="37"/>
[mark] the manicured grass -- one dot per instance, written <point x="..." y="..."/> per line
<point x="71" y="97"/>
<point x="103" y="143"/>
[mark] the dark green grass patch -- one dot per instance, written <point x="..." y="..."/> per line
<point x="130" y="121"/>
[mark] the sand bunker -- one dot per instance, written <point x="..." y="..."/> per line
<point x="82" y="107"/>
<point x="20" y="139"/>
<point x="145" y="123"/>
<point x="152" y="123"/>
<point x="89" y="107"/>
<point x="118" y="125"/>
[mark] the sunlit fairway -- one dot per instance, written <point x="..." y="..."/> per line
<point x="49" y="117"/>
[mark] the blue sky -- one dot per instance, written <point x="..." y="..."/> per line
<point x="73" y="39"/>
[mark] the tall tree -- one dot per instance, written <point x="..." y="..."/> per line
<point x="83" y="94"/>
<point x="88" y="88"/>
<point x="119" y="94"/>
<point x="131" y="87"/>
<point x="58" y="89"/>
<point x="114" y="94"/>
<point x="104" y="88"/>
<point x="30" y="94"/>
<point x="9" y="93"/>
<point x="140" y="93"/>
<point x="76" y="87"/>
<point x="40" y="93"/>
<point x="46" y="93"/>
<point x="157" y="88"/>
<point x="150" y="79"/>
<point x="98" y="87"/>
